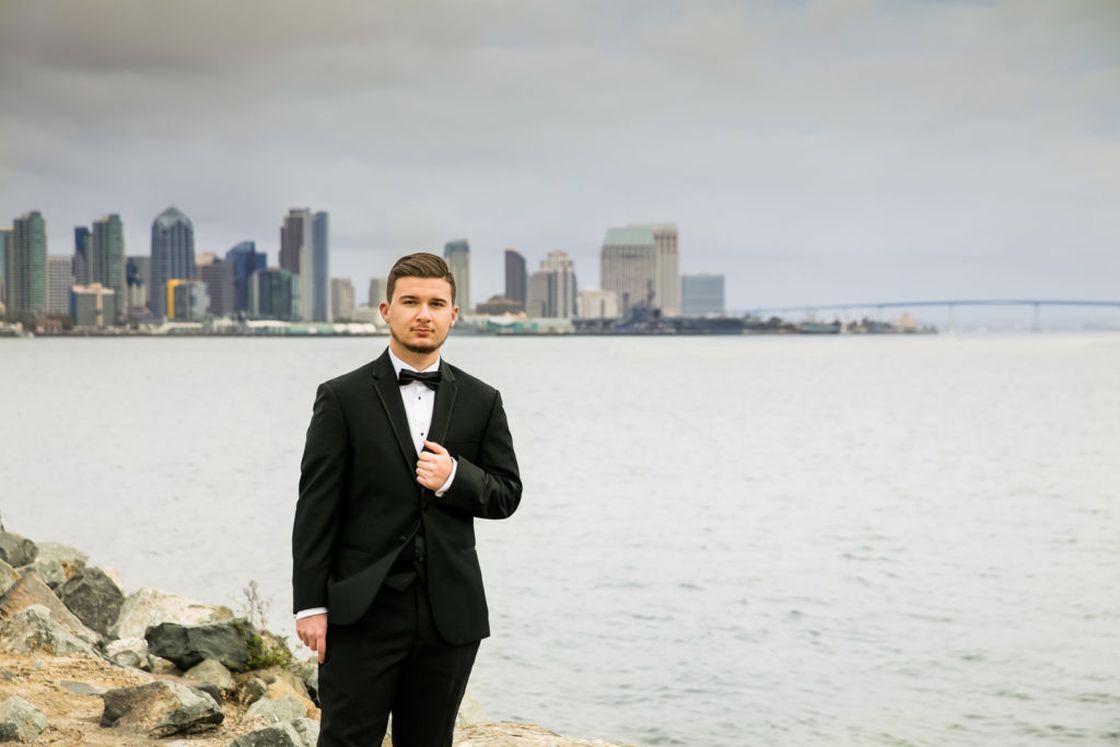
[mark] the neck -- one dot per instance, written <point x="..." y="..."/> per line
<point x="419" y="361"/>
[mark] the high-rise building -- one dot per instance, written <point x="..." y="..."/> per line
<point x="641" y="264"/>
<point x="305" y="252"/>
<point x="274" y="294"/>
<point x="596" y="303"/>
<point x="138" y="275"/>
<point x="378" y="291"/>
<point x="81" y="255"/>
<point x="26" y="275"/>
<point x="517" y="279"/>
<point x="541" y="288"/>
<point x="105" y="257"/>
<point x="562" y="301"/>
<point x="215" y="274"/>
<point x="458" y="256"/>
<point x="172" y="256"/>
<point x="241" y="262"/>
<point x="320" y="284"/>
<point x="92" y="305"/>
<point x="702" y="294"/>
<point x="59" y="281"/>
<point x="342" y="299"/>
<point x="187" y="300"/>
<point x="5" y="241"/>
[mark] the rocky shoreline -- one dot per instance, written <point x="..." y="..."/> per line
<point x="82" y="663"/>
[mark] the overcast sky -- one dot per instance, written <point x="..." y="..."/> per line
<point x="842" y="150"/>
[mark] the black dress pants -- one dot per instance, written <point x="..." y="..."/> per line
<point x="392" y="661"/>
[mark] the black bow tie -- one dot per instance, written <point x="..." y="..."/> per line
<point x="429" y="379"/>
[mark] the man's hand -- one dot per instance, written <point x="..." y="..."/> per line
<point x="433" y="467"/>
<point x="312" y="630"/>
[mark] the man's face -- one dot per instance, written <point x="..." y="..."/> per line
<point x="421" y="314"/>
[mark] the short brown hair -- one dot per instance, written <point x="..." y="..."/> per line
<point x="419" y="265"/>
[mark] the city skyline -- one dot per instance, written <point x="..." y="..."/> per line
<point x="812" y="152"/>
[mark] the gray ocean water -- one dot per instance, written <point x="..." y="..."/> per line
<point x="722" y="541"/>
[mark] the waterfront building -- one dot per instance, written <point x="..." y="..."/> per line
<point x="59" y="280"/>
<point x="499" y="305"/>
<point x="105" y="256"/>
<point x="138" y="276"/>
<point x="215" y="275"/>
<point x="517" y="277"/>
<point x="241" y="262"/>
<point x="92" y="305"/>
<point x="641" y="264"/>
<point x="342" y="299"/>
<point x="378" y="290"/>
<point x="274" y="294"/>
<point x="305" y="252"/>
<point x="187" y="300"/>
<point x="540" y="290"/>
<point x="701" y="294"/>
<point x="172" y="256"/>
<point x="80" y="267"/>
<point x="458" y="256"/>
<point x="26" y="275"/>
<point x="596" y="303"/>
<point x="5" y="242"/>
<point x="320" y="285"/>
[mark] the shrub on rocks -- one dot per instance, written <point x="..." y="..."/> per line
<point x="300" y="732"/>
<point x="20" y="721"/>
<point x="161" y="709"/>
<point x="16" y="550"/>
<point x="94" y="597"/>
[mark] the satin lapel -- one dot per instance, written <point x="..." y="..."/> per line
<point x="441" y="417"/>
<point x="385" y="384"/>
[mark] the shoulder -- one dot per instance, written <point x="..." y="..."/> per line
<point x="358" y="379"/>
<point x="474" y="384"/>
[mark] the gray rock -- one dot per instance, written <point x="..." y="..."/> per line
<point x="253" y="690"/>
<point x="161" y="709"/>
<point x="16" y="550"/>
<point x="149" y="607"/>
<point x="94" y="597"/>
<point x="9" y="576"/>
<point x="35" y="629"/>
<point x="187" y="645"/>
<point x="300" y="732"/>
<point x="308" y="671"/>
<point x="272" y="711"/>
<point x="130" y="652"/>
<point x="30" y="590"/>
<point x="212" y="672"/>
<point x="82" y="688"/>
<point x="56" y="564"/>
<point x="20" y="721"/>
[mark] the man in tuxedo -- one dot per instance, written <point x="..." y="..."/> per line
<point x="402" y="455"/>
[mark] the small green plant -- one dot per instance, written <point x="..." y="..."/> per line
<point x="265" y="649"/>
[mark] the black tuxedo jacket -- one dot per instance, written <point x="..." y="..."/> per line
<point x="359" y="502"/>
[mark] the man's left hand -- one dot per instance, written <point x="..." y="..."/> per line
<point x="434" y="466"/>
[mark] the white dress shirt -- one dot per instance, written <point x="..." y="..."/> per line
<point x="418" y="401"/>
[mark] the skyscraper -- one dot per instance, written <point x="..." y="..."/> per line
<point x="241" y="262"/>
<point x="187" y="300"/>
<point x="702" y="294"/>
<point x="378" y="288"/>
<point x="305" y="251"/>
<point x="668" y="269"/>
<point x="212" y="271"/>
<point x="320" y="283"/>
<point x="81" y="255"/>
<point x="172" y="255"/>
<point x="60" y="279"/>
<point x="458" y="256"/>
<point x="641" y="264"/>
<point x="138" y="275"/>
<point x="273" y="294"/>
<point x="27" y="266"/>
<point x="5" y="242"/>
<point x="105" y="258"/>
<point x="517" y="279"/>
<point x="342" y="299"/>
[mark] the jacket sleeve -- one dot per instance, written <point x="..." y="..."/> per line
<point x="490" y="489"/>
<point x="323" y="474"/>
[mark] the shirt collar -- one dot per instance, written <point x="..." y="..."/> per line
<point x="398" y="364"/>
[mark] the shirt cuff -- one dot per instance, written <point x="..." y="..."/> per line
<point x="450" y="478"/>
<point x="311" y="612"/>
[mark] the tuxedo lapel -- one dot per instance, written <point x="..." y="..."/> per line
<point x="389" y="392"/>
<point x="441" y="417"/>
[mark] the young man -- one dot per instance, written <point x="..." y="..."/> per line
<point x="402" y="455"/>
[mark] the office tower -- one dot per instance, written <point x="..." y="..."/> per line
<point x="517" y="279"/>
<point x="540" y="289"/>
<point x="26" y="276"/>
<point x="641" y="264"/>
<point x="342" y="299"/>
<point x="295" y="233"/>
<point x="138" y="275"/>
<point x="562" y="301"/>
<point x="378" y="290"/>
<point x="274" y="294"/>
<point x="5" y="242"/>
<point x="701" y="294"/>
<point x="305" y="252"/>
<point x="215" y="274"/>
<point x="596" y="303"/>
<point x="187" y="300"/>
<point x="92" y="305"/>
<point x="81" y="255"/>
<point x="105" y="258"/>
<point x="241" y="262"/>
<point x="172" y="256"/>
<point x="320" y="285"/>
<point x="59" y="280"/>
<point x="458" y="256"/>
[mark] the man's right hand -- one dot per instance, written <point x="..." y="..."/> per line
<point x="312" y="630"/>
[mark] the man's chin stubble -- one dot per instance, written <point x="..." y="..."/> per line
<point x="418" y="349"/>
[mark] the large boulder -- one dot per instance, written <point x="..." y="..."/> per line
<point x="20" y="721"/>
<point x="35" y="629"/>
<point x="16" y="550"/>
<point x="187" y="645"/>
<point x="29" y="591"/>
<point x="149" y="607"/>
<point x="300" y="732"/>
<point x="270" y="711"/>
<point x="8" y="577"/>
<point x="161" y="709"/>
<point x="130" y="652"/>
<point x="211" y="672"/>
<point x="56" y="564"/>
<point x="94" y="597"/>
